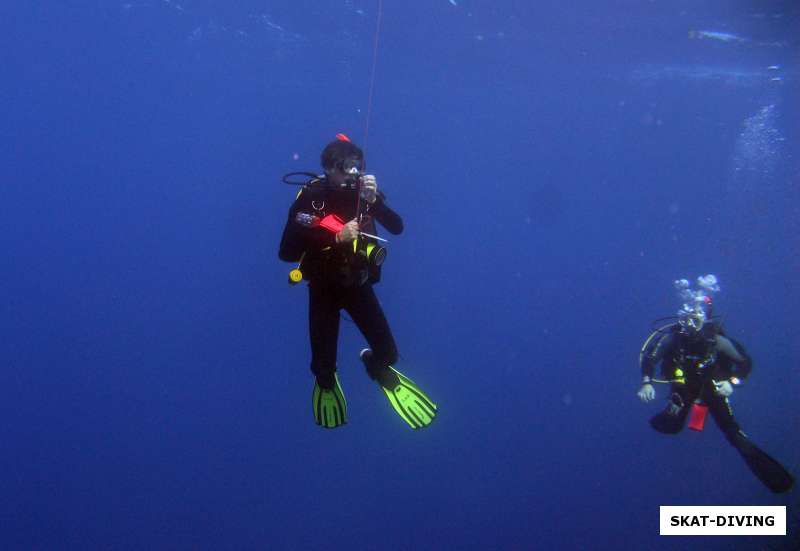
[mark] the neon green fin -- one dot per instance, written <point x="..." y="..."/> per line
<point x="330" y="407"/>
<point x="410" y="402"/>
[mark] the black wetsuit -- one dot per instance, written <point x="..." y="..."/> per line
<point x="703" y="358"/>
<point x="340" y="278"/>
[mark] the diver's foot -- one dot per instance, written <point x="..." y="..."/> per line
<point x="329" y="405"/>
<point x="410" y="402"/>
<point x="327" y="381"/>
<point x="385" y="375"/>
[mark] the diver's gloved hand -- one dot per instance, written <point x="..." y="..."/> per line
<point x="348" y="232"/>
<point x="369" y="188"/>
<point x="723" y="388"/>
<point x="647" y="393"/>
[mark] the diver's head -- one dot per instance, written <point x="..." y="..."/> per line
<point x="697" y="309"/>
<point x="343" y="162"/>
<point x="691" y="320"/>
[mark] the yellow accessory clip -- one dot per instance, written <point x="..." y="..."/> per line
<point x="295" y="277"/>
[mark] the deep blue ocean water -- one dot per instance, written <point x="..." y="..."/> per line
<point x="557" y="165"/>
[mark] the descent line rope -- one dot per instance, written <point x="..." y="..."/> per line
<point x="372" y="73"/>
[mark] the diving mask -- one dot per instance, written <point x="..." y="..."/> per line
<point x="349" y="172"/>
<point x="692" y="321"/>
<point x="350" y="166"/>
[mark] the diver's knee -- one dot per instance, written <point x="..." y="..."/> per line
<point x="380" y="360"/>
<point x="736" y="437"/>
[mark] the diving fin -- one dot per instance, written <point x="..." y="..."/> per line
<point x="330" y="407"/>
<point x="406" y="398"/>
<point x="666" y="423"/>
<point x="767" y="470"/>
<point x="671" y="420"/>
<point x="410" y="402"/>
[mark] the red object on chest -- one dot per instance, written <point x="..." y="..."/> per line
<point x="332" y="223"/>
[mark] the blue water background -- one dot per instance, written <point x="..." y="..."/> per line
<point x="557" y="164"/>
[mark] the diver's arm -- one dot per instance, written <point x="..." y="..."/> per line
<point x="388" y="218"/>
<point x="741" y="362"/>
<point x="654" y="353"/>
<point x="647" y="392"/>
<point x="291" y="247"/>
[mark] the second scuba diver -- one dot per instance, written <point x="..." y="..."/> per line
<point x="341" y="261"/>
<point x="703" y="366"/>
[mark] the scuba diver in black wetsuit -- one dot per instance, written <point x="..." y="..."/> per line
<point x="703" y="365"/>
<point x="341" y="261"/>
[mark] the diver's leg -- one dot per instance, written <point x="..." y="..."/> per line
<point x="323" y="330"/>
<point x="672" y="419"/>
<point x="366" y="311"/>
<point x="405" y="397"/>
<point x="720" y="409"/>
<point x="771" y="473"/>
